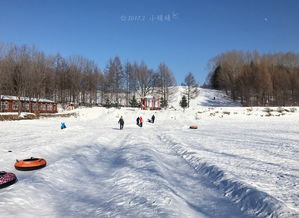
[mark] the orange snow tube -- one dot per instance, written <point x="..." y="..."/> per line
<point x="193" y="127"/>
<point x="30" y="164"/>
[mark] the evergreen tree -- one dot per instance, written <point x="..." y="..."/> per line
<point x="108" y="103"/>
<point x="215" y="79"/>
<point x="164" y="103"/>
<point x="184" y="102"/>
<point x="133" y="102"/>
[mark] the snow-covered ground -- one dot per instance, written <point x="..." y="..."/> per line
<point x="240" y="162"/>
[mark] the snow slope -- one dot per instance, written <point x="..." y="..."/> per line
<point x="205" y="99"/>
<point x="241" y="162"/>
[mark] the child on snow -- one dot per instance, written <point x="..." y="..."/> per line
<point x="140" y="121"/>
<point x="121" y="122"/>
<point x="153" y="118"/>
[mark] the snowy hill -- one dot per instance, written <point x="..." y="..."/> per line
<point x="240" y="162"/>
<point x="204" y="99"/>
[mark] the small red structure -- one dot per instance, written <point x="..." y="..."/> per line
<point x="150" y="103"/>
<point x="12" y="104"/>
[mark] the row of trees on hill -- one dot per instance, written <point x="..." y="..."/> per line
<point x="137" y="78"/>
<point x="26" y="71"/>
<point x="255" y="79"/>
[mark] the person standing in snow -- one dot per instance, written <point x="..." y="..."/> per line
<point x="121" y="122"/>
<point x="140" y="121"/>
<point x="137" y="121"/>
<point x="153" y="118"/>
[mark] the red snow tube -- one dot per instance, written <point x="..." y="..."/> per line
<point x="30" y="164"/>
<point x="7" y="179"/>
<point x="193" y="127"/>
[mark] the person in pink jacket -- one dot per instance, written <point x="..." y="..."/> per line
<point x="140" y="121"/>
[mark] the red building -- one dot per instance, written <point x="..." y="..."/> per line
<point x="12" y="104"/>
<point x="150" y="103"/>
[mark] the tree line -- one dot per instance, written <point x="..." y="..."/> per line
<point x="255" y="79"/>
<point x="26" y="71"/>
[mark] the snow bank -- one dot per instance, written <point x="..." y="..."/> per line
<point x="249" y="199"/>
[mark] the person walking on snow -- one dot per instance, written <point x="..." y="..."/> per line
<point x="153" y="118"/>
<point x="137" y="121"/>
<point x="121" y="122"/>
<point x="140" y="121"/>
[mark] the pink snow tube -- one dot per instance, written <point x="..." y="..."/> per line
<point x="7" y="179"/>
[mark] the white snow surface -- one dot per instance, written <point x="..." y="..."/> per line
<point x="240" y="162"/>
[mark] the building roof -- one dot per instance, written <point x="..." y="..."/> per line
<point x="148" y="96"/>
<point x="15" y="98"/>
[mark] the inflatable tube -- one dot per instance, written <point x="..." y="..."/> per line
<point x="30" y="164"/>
<point x="7" y="179"/>
<point x="193" y="127"/>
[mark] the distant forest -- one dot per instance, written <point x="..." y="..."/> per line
<point x="257" y="80"/>
<point x="251" y="78"/>
<point x="26" y="71"/>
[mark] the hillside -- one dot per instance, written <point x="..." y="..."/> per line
<point x="204" y="99"/>
<point x="240" y="162"/>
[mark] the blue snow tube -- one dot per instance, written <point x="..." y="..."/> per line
<point x="63" y="126"/>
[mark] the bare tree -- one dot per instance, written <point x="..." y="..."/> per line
<point x="167" y="80"/>
<point x="128" y="71"/>
<point x="114" y="78"/>
<point x="191" y="87"/>
<point x="143" y="76"/>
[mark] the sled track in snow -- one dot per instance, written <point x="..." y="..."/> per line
<point x="249" y="199"/>
<point x="172" y="182"/>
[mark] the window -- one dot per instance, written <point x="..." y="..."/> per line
<point x="15" y="106"/>
<point x="4" y="106"/>
<point x="49" y="107"/>
<point x="34" y="107"/>
<point x="43" y="107"/>
<point x="26" y="107"/>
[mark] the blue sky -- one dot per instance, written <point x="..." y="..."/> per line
<point x="183" y="34"/>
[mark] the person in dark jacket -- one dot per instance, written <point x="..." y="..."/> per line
<point x="153" y="118"/>
<point x="121" y="122"/>
<point x="137" y="121"/>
